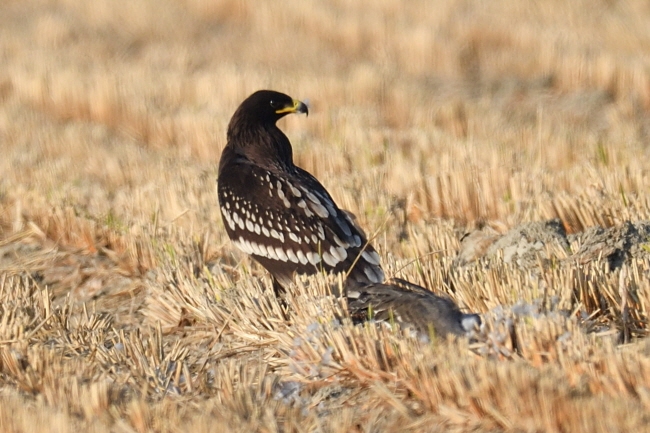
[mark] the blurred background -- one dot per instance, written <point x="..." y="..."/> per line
<point x="463" y="110"/>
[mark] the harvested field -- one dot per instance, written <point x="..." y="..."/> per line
<point x="125" y="308"/>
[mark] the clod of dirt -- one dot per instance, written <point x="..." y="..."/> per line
<point x="614" y="245"/>
<point x="473" y="245"/>
<point x="527" y="244"/>
<point x="524" y="245"/>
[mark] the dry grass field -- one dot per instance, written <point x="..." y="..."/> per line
<point x="124" y="307"/>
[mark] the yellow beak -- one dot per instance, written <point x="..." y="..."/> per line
<point x="296" y="107"/>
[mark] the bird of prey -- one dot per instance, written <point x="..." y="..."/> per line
<point x="286" y="220"/>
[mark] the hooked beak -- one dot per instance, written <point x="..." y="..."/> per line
<point x="296" y="107"/>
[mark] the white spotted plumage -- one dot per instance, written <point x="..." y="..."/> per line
<point x="330" y="259"/>
<point x="292" y="256"/>
<point x="282" y="215"/>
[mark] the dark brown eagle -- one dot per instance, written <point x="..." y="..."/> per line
<point x="286" y="220"/>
